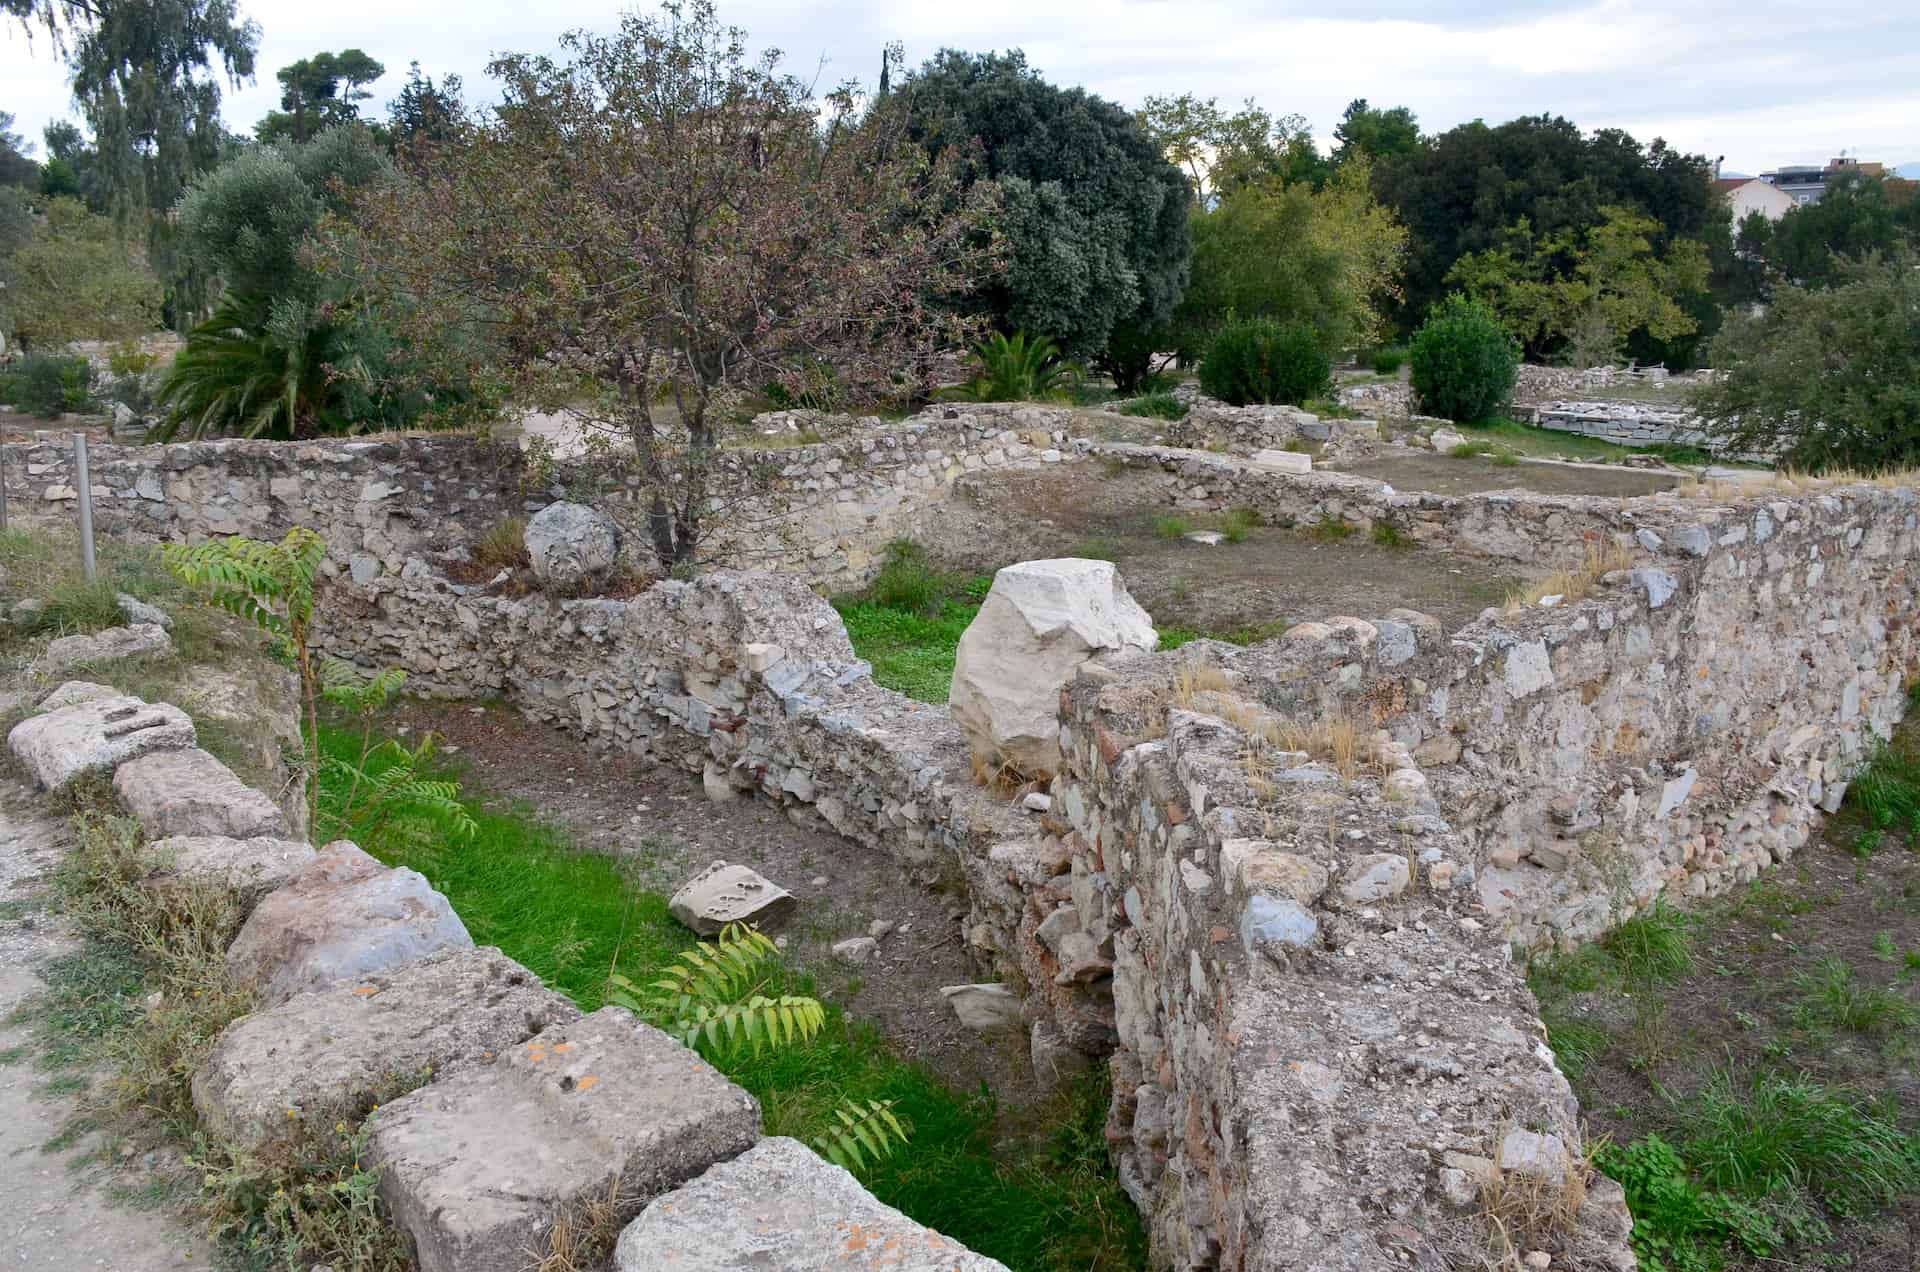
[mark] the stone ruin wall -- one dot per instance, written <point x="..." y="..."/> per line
<point x="1549" y="771"/>
<point x="824" y="511"/>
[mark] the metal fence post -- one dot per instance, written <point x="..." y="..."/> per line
<point x="85" y="486"/>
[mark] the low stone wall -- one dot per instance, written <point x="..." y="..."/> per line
<point x="824" y="511"/>
<point x="377" y="502"/>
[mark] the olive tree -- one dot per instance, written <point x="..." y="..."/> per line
<point x="655" y="218"/>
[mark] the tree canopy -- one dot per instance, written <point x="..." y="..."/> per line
<point x="1375" y="133"/>
<point x="1095" y="214"/>
<point x="76" y="277"/>
<point x="1583" y="291"/>
<point x="1325" y="258"/>
<point x="319" y="92"/>
<point x="1464" y="190"/>
<point x="658" y="216"/>
<point x="1824" y="376"/>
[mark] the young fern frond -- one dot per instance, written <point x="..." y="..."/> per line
<point x="860" y="1134"/>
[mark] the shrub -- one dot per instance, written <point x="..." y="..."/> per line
<point x="907" y="581"/>
<point x="1389" y="361"/>
<point x="1259" y="360"/>
<point x="1825" y="378"/>
<point x="1019" y="368"/>
<point x="1464" y="361"/>
<point x="1159" y="406"/>
<point x="45" y="385"/>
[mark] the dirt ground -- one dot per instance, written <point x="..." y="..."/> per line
<point x="1445" y="475"/>
<point x="1743" y="1009"/>
<point x="618" y="805"/>
<point x="61" y="1208"/>
<point x="1276" y="577"/>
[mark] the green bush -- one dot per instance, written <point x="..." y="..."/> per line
<point x="1389" y="361"/>
<point x="44" y="385"/>
<point x="1259" y="360"/>
<point x="1160" y="406"/>
<point x="1464" y="361"/>
<point x="1019" y="368"/>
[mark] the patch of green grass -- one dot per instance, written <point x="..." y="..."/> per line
<point x="1886" y="794"/>
<point x="1388" y="535"/>
<point x="1033" y="1189"/>
<point x="1780" y="1132"/>
<point x="1171" y="526"/>
<point x="1329" y="529"/>
<point x="568" y="916"/>
<point x="1831" y="996"/>
<point x="911" y="653"/>
<point x="1098" y="548"/>
<point x="909" y="620"/>
<point x="1654" y="946"/>
<point x="1681" y="1226"/>
<point x="1239" y="523"/>
<point x="1159" y="406"/>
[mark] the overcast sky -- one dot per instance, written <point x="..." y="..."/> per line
<point x="1762" y="82"/>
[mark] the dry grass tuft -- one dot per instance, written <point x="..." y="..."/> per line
<point x="1196" y="678"/>
<point x="1525" y="1213"/>
<point x="1573" y="585"/>
<point x="582" y="1238"/>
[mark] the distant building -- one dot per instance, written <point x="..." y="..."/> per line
<point x="1750" y="194"/>
<point x="1805" y="183"/>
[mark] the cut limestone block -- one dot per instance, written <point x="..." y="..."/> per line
<point x="1283" y="461"/>
<point x="143" y="640"/>
<point x="74" y="692"/>
<point x="189" y="792"/>
<point x="332" y="1053"/>
<point x="780" y="1207"/>
<point x="723" y="894"/>
<point x="96" y="736"/>
<point x="250" y="868"/>
<point x="344" y="916"/>
<point x="478" y="1167"/>
<point x="1040" y="622"/>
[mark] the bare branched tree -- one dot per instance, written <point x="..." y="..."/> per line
<point x="658" y="218"/>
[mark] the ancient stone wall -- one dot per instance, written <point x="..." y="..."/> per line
<point x="377" y="502"/>
<point x="824" y="511"/>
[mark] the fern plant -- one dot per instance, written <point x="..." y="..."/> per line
<point x="718" y="999"/>
<point x="272" y="586"/>
<point x="385" y="793"/>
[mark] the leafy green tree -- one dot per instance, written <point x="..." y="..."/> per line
<point x="424" y="111"/>
<point x="1582" y="292"/>
<point x="1824" y="377"/>
<point x="319" y="92"/>
<point x="284" y="354"/>
<point x="1816" y="244"/>
<point x="71" y="168"/>
<point x="1375" y="133"/>
<point x="1221" y="152"/>
<point x="17" y="167"/>
<point x="660" y="218"/>
<point x="1328" y="258"/>
<point x="145" y="80"/>
<point x="77" y="277"/>
<point x="1095" y="217"/>
<point x="1462" y="192"/>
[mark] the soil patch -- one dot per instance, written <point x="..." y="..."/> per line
<point x="1445" y="475"/>
<point x="1273" y="578"/>
<point x="661" y="820"/>
<point x="1811" y="974"/>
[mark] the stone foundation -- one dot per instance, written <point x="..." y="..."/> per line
<point x="1299" y="976"/>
